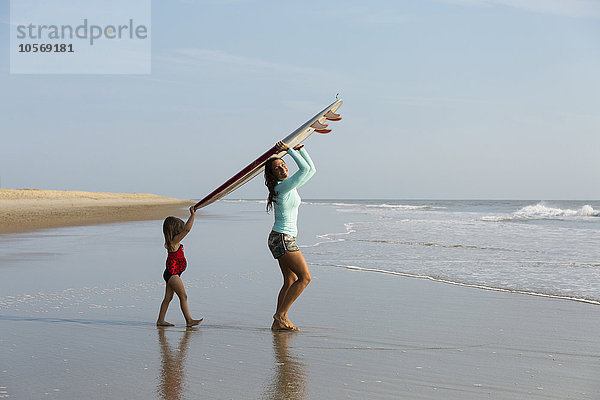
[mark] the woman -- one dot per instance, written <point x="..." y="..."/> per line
<point x="284" y="201"/>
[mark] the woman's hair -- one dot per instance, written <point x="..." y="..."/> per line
<point x="171" y="228"/>
<point x="270" y="182"/>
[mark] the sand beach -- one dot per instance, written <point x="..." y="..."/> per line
<point x="78" y="306"/>
<point x="22" y="210"/>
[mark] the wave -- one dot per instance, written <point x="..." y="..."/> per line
<point x="588" y="211"/>
<point x="244" y="201"/>
<point x="401" y="206"/>
<point x="328" y="236"/>
<point x="325" y="203"/>
<point x="344" y="203"/>
<point x="542" y="211"/>
<point x="448" y="246"/>
<point x="310" y="202"/>
<point x="457" y="283"/>
<point x="365" y="204"/>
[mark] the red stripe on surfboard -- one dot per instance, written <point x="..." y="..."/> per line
<point x="260" y="160"/>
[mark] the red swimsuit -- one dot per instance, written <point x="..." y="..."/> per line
<point x="176" y="262"/>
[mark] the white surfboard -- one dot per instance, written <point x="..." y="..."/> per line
<point x="315" y="124"/>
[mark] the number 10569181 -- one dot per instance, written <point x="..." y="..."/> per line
<point x="45" y="48"/>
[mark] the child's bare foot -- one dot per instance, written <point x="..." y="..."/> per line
<point x="194" y="322"/>
<point x="163" y="323"/>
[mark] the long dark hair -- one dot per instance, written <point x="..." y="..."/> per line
<point x="270" y="182"/>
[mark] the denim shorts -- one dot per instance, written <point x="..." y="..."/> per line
<point x="279" y="243"/>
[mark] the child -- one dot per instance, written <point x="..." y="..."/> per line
<point x="175" y="230"/>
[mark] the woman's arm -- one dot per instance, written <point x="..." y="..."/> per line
<point x="299" y="177"/>
<point x="309" y="161"/>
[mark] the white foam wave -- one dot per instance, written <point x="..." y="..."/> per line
<point x="333" y="237"/>
<point x="342" y="203"/>
<point x="588" y="211"/>
<point x="542" y="211"/>
<point x="399" y="206"/>
<point x="457" y="283"/>
<point x="244" y="201"/>
<point x="337" y="204"/>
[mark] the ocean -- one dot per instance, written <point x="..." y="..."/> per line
<point x="544" y="248"/>
<point x="533" y="247"/>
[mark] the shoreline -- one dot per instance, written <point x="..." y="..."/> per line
<point x="457" y="283"/>
<point x="26" y="210"/>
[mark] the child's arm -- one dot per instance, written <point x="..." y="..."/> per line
<point x="187" y="227"/>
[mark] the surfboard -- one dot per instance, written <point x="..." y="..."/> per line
<point x="315" y="124"/>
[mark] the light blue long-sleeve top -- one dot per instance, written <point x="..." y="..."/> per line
<point x="287" y="199"/>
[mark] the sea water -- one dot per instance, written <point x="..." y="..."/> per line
<point x="536" y="247"/>
<point x="547" y="248"/>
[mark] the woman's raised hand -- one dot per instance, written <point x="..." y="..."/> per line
<point x="280" y="146"/>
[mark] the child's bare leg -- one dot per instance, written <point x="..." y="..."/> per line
<point x="176" y="285"/>
<point x="164" y="306"/>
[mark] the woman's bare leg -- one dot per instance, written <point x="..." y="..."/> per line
<point x="164" y="306"/>
<point x="288" y="280"/>
<point x="294" y="262"/>
<point x="176" y="284"/>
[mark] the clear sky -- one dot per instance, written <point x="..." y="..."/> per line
<point x="446" y="99"/>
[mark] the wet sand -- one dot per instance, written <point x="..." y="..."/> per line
<point x="25" y="210"/>
<point x="80" y="323"/>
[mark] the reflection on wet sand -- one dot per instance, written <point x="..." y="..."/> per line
<point x="289" y="378"/>
<point x="172" y="377"/>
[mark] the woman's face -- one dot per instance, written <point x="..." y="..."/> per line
<point x="280" y="170"/>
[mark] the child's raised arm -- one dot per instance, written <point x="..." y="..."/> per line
<point x="187" y="227"/>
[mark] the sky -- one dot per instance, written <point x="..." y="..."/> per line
<point x="443" y="99"/>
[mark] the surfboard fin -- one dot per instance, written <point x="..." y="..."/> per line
<point x="331" y="116"/>
<point x="319" y="127"/>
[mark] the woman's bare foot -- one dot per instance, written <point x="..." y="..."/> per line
<point x="282" y="323"/>
<point x="278" y="326"/>
<point x="163" y="323"/>
<point x="194" y="322"/>
<point x="289" y="324"/>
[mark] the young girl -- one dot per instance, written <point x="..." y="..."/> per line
<point x="175" y="230"/>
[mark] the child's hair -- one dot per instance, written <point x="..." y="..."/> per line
<point x="270" y="182"/>
<point x="171" y="228"/>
